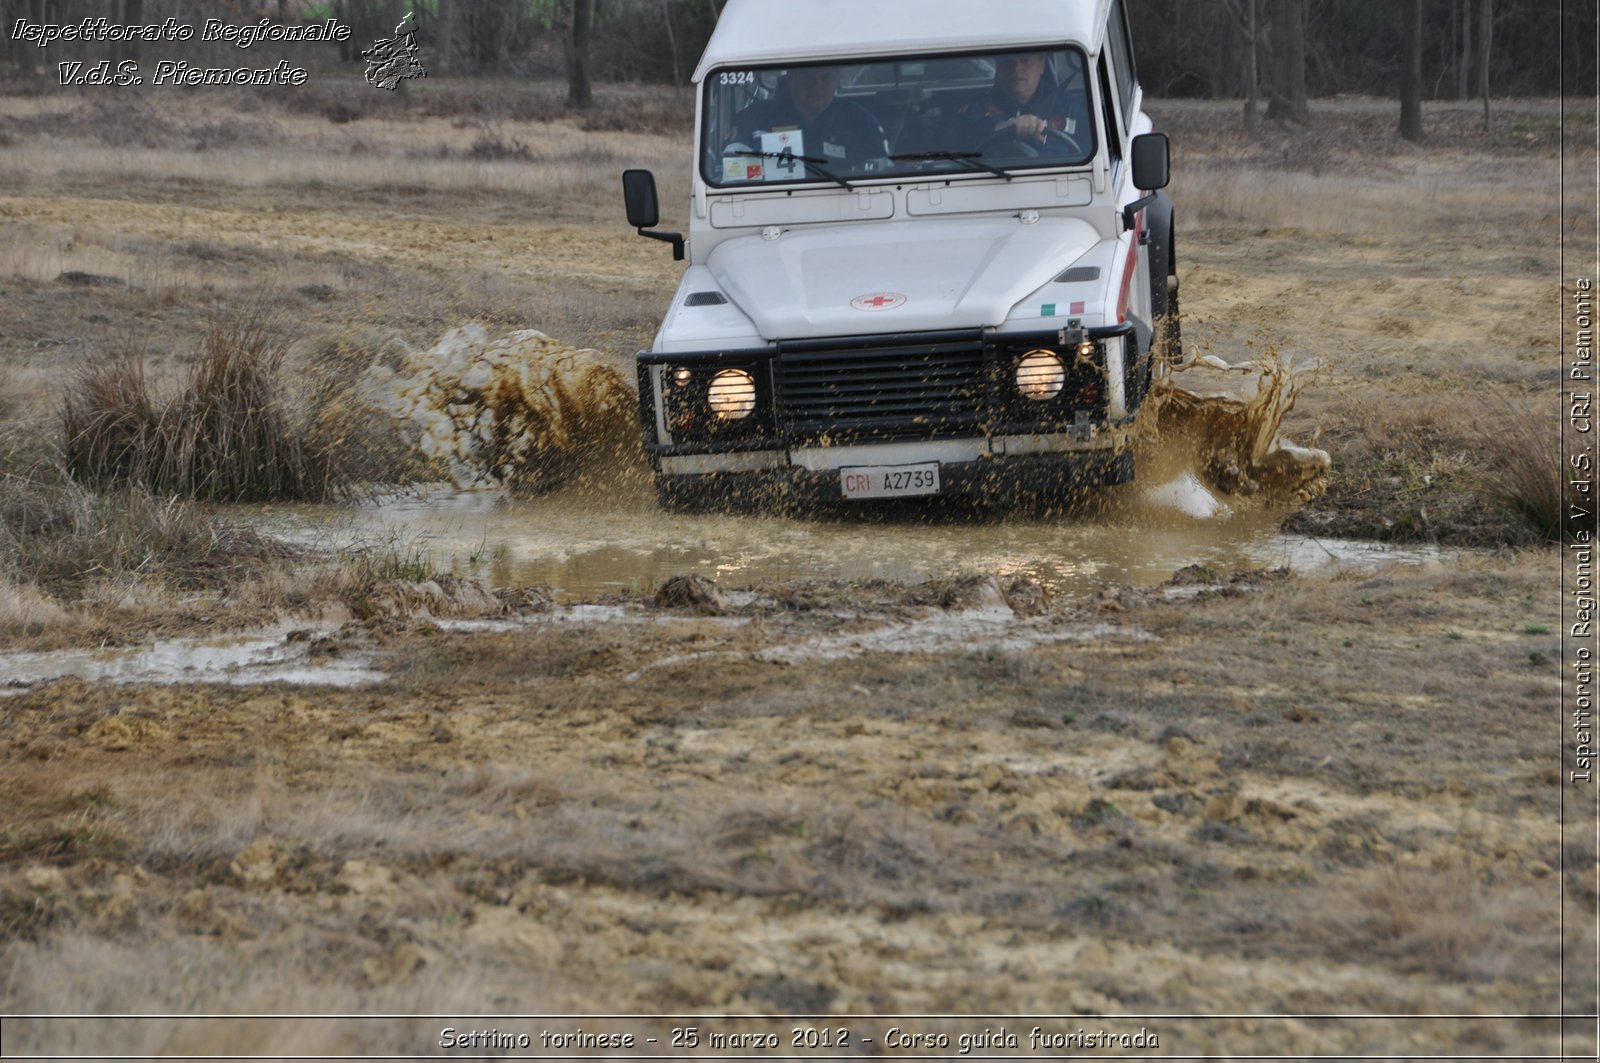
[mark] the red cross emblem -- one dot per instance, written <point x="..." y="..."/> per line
<point x="878" y="301"/>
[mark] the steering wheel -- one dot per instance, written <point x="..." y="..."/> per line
<point x="1027" y="147"/>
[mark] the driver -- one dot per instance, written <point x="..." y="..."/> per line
<point x="841" y="134"/>
<point x="1024" y="101"/>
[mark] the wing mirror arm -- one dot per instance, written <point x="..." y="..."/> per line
<point x="1130" y="213"/>
<point x="675" y="239"/>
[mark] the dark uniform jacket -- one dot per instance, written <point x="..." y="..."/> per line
<point x="973" y="122"/>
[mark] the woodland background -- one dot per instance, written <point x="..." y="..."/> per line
<point x="1272" y="54"/>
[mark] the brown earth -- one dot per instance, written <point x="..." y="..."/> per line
<point x="1224" y="797"/>
<point x="1278" y="794"/>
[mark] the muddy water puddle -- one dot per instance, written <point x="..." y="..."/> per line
<point x="520" y="421"/>
<point x="581" y="545"/>
<point x="276" y="656"/>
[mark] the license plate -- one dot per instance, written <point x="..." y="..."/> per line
<point x="889" y="481"/>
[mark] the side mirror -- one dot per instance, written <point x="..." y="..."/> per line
<point x="639" y="193"/>
<point x="644" y="209"/>
<point x="1152" y="156"/>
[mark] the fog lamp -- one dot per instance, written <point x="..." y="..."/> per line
<point x="733" y="394"/>
<point x="1040" y="375"/>
<point x="681" y="377"/>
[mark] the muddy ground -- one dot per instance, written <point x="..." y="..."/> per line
<point x="1326" y="795"/>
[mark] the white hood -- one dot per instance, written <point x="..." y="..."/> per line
<point x="894" y="277"/>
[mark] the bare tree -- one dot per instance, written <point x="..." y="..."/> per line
<point x="1288" y="63"/>
<point x="1411" y="71"/>
<point x="580" y="89"/>
<point x="1244" y="20"/>
<point x="445" y="32"/>
<point x="1485" y="37"/>
<point x="672" y="43"/>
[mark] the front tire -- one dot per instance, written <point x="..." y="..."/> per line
<point x="1168" y="344"/>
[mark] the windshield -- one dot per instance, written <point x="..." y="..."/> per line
<point x="927" y="115"/>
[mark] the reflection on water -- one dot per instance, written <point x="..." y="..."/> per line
<point x="582" y="543"/>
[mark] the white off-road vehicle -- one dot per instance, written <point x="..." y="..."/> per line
<point x="927" y="254"/>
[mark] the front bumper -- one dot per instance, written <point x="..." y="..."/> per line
<point x="998" y="480"/>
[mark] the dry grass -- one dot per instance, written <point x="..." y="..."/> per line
<point x="1440" y="469"/>
<point x="1525" y="474"/>
<point x="231" y="435"/>
<point x="1216" y="193"/>
<point x="1349" y="173"/>
<point x="561" y="160"/>
<point x="60" y="534"/>
<point x="25" y="608"/>
<point x="1460" y="922"/>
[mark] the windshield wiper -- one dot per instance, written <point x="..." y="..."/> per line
<point x="811" y="163"/>
<point x="972" y="159"/>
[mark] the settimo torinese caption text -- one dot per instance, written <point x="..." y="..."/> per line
<point x="176" y="72"/>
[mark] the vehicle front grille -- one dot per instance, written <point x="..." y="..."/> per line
<point x="913" y="385"/>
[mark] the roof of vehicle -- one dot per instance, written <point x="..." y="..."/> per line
<point x="771" y="31"/>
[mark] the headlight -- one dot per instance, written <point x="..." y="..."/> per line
<point x="1040" y="375"/>
<point x="732" y="396"/>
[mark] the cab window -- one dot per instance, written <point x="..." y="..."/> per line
<point x="1121" y="61"/>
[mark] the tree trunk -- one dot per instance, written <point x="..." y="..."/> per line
<point x="1252" y="73"/>
<point x="133" y="15"/>
<point x="1244" y="21"/>
<point x="580" y="92"/>
<point x="1411" y="71"/>
<point x="672" y="43"/>
<point x="1485" y="37"/>
<point x="1464" y="61"/>
<point x="15" y="50"/>
<point x="446" y="31"/>
<point x="349" y="50"/>
<point x="1289" y="63"/>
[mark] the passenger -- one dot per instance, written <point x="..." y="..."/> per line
<point x="1025" y="102"/>
<point x="841" y="135"/>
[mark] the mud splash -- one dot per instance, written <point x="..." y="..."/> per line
<point x="529" y="413"/>
<point x="524" y="411"/>
<point x="1223" y="423"/>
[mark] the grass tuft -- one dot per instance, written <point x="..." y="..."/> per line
<point x="229" y="436"/>
<point x="58" y="534"/>
<point x="1524" y="475"/>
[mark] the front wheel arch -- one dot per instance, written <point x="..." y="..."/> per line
<point x="1161" y="222"/>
